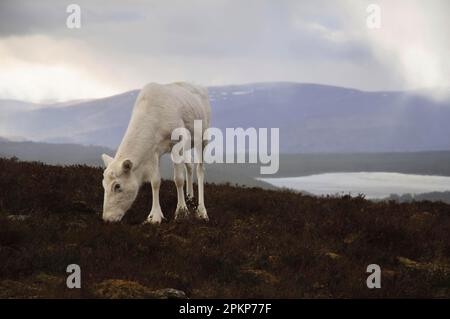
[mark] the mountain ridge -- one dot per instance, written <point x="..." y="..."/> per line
<point x="311" y="118"/>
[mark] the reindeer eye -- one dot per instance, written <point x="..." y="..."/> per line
<point x="117" y="188"/>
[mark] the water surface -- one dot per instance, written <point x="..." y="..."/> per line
<point x="372" y="184"/>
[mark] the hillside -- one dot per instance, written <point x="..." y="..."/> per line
<point x="432" y="196"/>
<point x="259" y="243"/>
<point x="70" y="154"/>
<point x="62" y="154"/>
<point x="311" y="118"/>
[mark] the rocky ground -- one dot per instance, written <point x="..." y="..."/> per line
<point x="258" y="243"/>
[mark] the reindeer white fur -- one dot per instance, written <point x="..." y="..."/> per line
<point x="159" y="109"/>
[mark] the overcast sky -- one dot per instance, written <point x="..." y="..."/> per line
<point x="122" y="45"/>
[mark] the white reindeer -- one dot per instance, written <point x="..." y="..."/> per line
<point x="158" y="110"/>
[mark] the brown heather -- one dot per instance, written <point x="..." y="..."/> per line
<point x="258" y="243"/>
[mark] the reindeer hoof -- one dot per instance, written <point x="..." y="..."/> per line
<point x="202" y="214"/>
<point x="181" y="213"/>
<point x="154" y="220"/>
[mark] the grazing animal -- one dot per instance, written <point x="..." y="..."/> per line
<point x="158" y="110"/>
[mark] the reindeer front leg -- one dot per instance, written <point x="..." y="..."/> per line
<point x="189" y="181"/>
<point x="182" y="210"/>
<point x="156" y="215"/>
<point x="201" y="210"/>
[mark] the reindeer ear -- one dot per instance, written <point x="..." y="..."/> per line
<point x="107" y="159"/>
<point x="127" y="165"/>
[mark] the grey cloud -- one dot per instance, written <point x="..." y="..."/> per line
<point x="22" y="17"/>
<point x="220" y="41"/>
<point x="187" y="28"/>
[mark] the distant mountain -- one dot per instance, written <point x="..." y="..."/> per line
<point x="311" y="118"/>
<point x="317" y="118"/>
<point x="96" y="122"/>
<point x="16" y="106"/>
